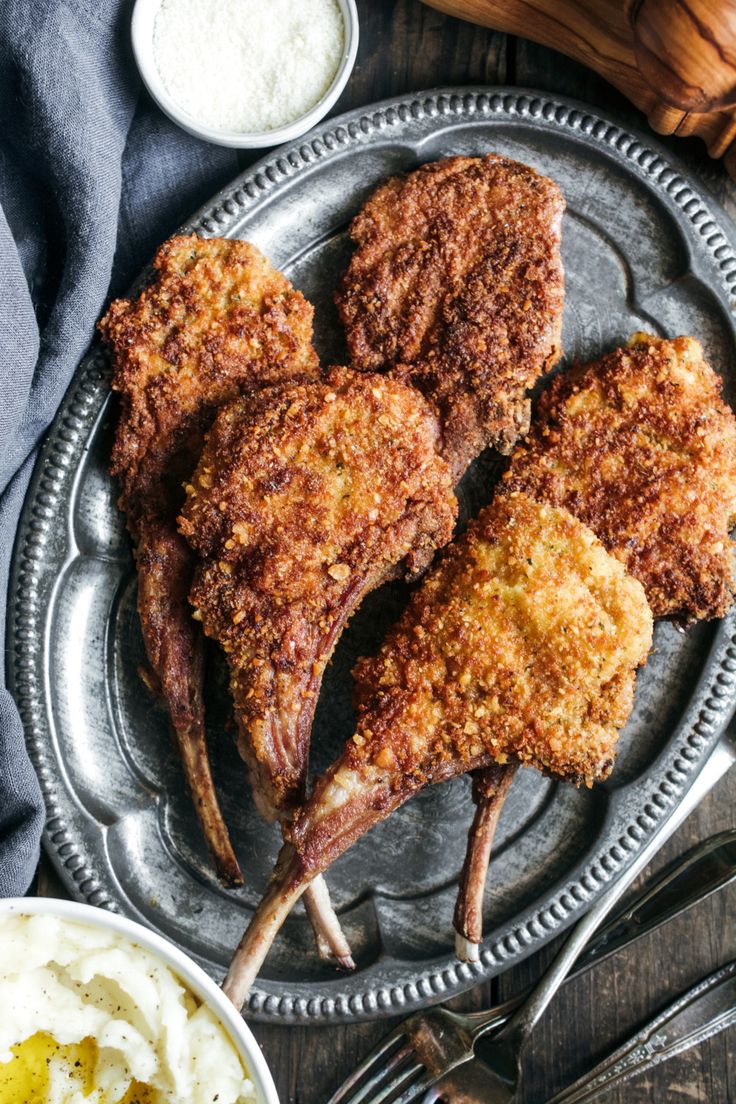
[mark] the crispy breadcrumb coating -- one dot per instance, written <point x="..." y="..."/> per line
<point x="215" y="321"/>
<point x="457" y="285"/>
<point x="523" y="642"/>
<point x="306" y="497"/>
<point x="642" y="448"/>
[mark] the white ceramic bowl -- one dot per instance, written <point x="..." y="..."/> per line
<point x="142" y="24"/>
<point x="188" y="971"/>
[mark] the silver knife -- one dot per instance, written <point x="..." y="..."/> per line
<point x="690" y="879"/>
<point x="706" y="1009"/>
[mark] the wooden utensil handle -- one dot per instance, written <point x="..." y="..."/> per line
<point x="686" y="51"/>
<point x="674" y="59"/>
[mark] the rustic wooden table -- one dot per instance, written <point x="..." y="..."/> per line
<point x="404" y="47"/>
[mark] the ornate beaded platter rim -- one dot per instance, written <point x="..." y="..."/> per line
<point x="120" y="833"/>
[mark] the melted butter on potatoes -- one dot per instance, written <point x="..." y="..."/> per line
<point x="87" y="1017"/>
<point x="42" y="1069"/>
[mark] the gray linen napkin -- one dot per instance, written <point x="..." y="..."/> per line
<point x="92" y="177"/>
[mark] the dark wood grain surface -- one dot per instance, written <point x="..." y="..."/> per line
<point x="405" y="47"/>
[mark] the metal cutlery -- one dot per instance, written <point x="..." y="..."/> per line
<point x="691" y="878"/>
<point x="470" y="1083"/>
<point x="706" y="1009"/>
<point x="431" y="1044"/>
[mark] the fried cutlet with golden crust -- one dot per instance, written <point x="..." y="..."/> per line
<point x="216" y="320"/>
<point x="523" y="642"/>
<point x="642" y="448"/>
<point x="306" y="497"/>
<point x="456" y="284"/>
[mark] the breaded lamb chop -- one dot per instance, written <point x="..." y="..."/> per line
<point x="523" y="642"/>
<point x="641" y="447"/>
<point x="216" y="321"/>
<point x="306" y="497"/>
<point x="456" y="285"/>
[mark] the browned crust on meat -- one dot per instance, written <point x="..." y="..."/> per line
<point x="522" y="644"/>
<point x="306" y="497"/>
<point x="457" y="284"/>
<point x="642" y="448"/>
<point x="217" y="319"/>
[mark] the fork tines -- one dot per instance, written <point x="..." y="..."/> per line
<point x="391" y="1074"/>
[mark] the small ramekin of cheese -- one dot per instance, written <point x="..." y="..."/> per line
<point x="95" y="1009"/>
<point x="251" y="74"/>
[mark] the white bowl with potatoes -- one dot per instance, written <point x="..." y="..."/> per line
<point x="96" y="1008"/>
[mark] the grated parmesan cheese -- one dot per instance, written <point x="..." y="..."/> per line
<point x="247" y="65"/>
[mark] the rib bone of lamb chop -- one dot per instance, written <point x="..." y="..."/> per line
<point x="456" y="285"/>
<point x="306" y="497"/>
<point x="490" y="789"/>
<point x="640" y="446"/>
<point x="216" y="321"/>
<point x="522" y="643"/>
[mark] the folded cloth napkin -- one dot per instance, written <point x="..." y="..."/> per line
<point x="92" y="176"/>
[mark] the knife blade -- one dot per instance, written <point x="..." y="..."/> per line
<point x="688" y="880"/>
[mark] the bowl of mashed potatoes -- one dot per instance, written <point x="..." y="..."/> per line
<point x="95" y="1009"/>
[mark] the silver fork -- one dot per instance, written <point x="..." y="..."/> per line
<point x="430" y="1044"/>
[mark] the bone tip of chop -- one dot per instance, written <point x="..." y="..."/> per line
<point x="217" y="838"/>
<point x="465" y="949"/>
<point x="222" y="853"/>
<point x="236" y="986"/>
<point x="332" y="944"/>
<point x="231" y="878"/>
<point x="338" y="952"/>
<point x="324" y="950"/>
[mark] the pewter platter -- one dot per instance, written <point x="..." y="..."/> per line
<point x="643" y="250"/>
